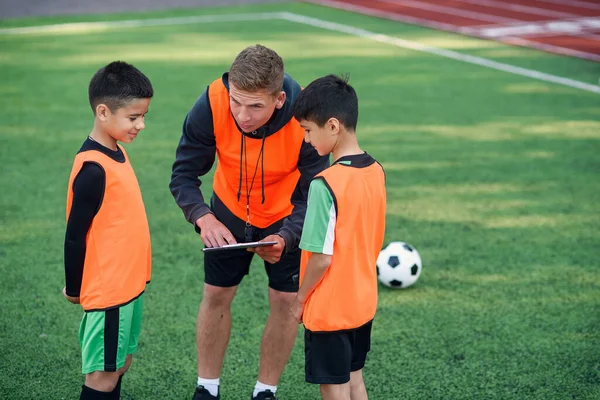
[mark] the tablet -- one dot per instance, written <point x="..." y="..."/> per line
<point x="239" y="246"/>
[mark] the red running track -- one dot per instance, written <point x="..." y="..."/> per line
<point x="567" y="27"/>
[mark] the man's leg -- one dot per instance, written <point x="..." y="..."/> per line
<point x="223" y="272"/>
<point x="278" y="337"/>
<point x="358" y="391"/>
<point x="336" y="392"/>
<point x="213" y="329"/>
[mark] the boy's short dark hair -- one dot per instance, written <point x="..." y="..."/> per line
<point x="116" y="84"/>
<point x="328" y="97"/>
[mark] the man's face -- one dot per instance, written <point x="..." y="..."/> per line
<point x="252" y="110"/>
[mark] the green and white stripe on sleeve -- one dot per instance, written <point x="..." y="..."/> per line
<point x="318" y="233"/>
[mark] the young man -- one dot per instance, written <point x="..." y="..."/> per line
<point x="342" y="236"/>
<point x="259" y="193"/>
<point x="107" y="242"/>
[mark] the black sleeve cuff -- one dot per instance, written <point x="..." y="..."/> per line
<point x="288" y="238"/>
<point x="201" y="211"/>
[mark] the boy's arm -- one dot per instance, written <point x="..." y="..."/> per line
<point x="309" y="165"/>
<point x="88" y="190"/>
<point x="195" y="157"/>
<point x="318" y="236"/>
<point x="315" y="271"/>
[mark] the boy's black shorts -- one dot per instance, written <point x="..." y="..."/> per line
<point x="331" y="356"/>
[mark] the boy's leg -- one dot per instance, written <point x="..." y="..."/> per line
<point x="327" y="358"/>
<point x="336" y="392"/>
<point x="358" y="391"/>
<point x="108" y="338"/>
<point x="361" y="346"/>
<point x="102" y="381"/>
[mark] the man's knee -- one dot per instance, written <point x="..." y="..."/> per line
<point x="281" y="300"/>
<point x="217" y="298"/>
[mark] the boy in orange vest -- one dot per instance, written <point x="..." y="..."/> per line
<point x="107" y="244"/>
<point x="341" y="239"/>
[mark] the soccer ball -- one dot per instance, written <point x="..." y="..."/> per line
<point x="398" y="265"/>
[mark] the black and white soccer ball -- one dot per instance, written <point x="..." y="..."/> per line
<point x="398" y="265"/>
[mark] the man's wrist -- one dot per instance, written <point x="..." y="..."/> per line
<point x="202" y="219"/>
<point x="287" y="240"/>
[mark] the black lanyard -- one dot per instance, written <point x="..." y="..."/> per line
<point x="248" y="231"/>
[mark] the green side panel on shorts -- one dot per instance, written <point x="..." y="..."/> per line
<point x="92" y="336"/>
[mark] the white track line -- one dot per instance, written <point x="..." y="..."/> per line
<point x="471" y="31"/>
<point x="519" y="8"/>
<point x="489" y="17"/>
<point x="319" y="23"/>
<point x="579" y="26"/>
<point x="574" y="3"/>
<point x="458" y="12"/>
<point x="517" y="41"/>
<point x="387" y="15"/>
<point x="333" y="26"/>
<point x="134" y="23"/>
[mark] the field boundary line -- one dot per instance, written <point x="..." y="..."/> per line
<point x="319" y="23"/>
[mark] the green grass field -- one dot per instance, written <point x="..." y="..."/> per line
<point x="493" y="177"/>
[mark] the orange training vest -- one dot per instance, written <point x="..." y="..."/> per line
<point x="118" y="256"/>
<point x="281" y="164"/>
<point x="346" y="297"/>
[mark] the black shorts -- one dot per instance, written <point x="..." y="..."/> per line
<point x="228" y="268"/>
<point x="331" y="356"/>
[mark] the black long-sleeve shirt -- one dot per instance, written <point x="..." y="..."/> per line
<point x="88" y="191"/>
<point x="196" y="153"/>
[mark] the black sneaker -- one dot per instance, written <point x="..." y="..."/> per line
<point x="203" y="394"/>
<point x="265" y="395"/>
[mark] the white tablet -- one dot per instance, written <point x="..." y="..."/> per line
<point x="239" y="246"/>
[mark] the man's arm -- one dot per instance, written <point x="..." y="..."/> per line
<point x="88" y="190"/>
<point x="195" y="157"/>
<point x="309" y="165"/>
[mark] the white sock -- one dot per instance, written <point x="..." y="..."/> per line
<point x="261" y="387"/>
<point x="212" y="385"/>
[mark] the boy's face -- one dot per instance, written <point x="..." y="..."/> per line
<point x="251" y="110"/>
<point x="125" y="123"/>
<point x="322" y="138"/>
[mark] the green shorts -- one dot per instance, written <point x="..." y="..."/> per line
<point x="108" y="337"/>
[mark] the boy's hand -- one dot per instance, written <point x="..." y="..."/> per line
<point x="213" y="233"/>
<point x="270" y="254"/>
<point x="297" y="310"/>
<point x="74" y="300"/>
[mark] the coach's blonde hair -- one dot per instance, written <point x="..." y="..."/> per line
<point x="257" y="68"/>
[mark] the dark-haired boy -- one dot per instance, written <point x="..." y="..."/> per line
<point x="341" y="239"/>
<point x="107" y="248"/>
